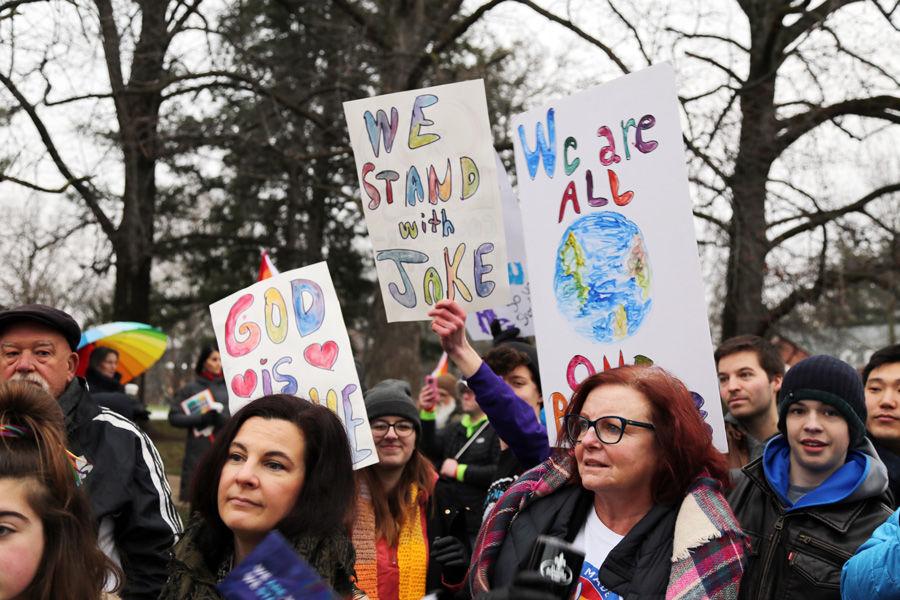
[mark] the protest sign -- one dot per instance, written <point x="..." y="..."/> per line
<point x="612" y="254"/>
<point x="425" y="161"/>
<point x="274" y="571"/>
<point x="286" y="335"/>
<point x="516" y="312"/>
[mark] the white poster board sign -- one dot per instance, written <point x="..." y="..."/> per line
<point x="516" y="312"/>
<point x="425" y="161"/>
<point x="286" y="335"/>
<point x="612" y="254"/>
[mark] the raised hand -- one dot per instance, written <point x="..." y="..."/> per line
<point x="449" y="323"/>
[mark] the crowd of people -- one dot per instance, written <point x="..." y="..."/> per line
<point x="803" y="505"/>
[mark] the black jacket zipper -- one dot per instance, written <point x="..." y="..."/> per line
<point x="770" y="552"/>
<point x="838" y="553"/>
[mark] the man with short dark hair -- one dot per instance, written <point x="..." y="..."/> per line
<point x="881" y="377"/>
<point x="118" y="464"/>
<point x="750" y="371"/>
<point x="818" y="491"/>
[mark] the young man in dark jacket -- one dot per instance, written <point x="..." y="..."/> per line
<point x="818" y="491"/>
<point x="120" y="467"/>
<point x="881" y="377"/>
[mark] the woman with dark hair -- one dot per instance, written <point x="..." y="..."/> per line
<point x="407" y="534"/>
<point x="101" y="373"/>
<point x="202" y="427"/>
<point x="103" y="384"/>
<point x="48" y="544"/>
<point x="279" y="463"/>
<point x="638" y="490"/>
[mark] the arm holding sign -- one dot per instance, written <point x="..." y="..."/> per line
<point x="510" y="416"/>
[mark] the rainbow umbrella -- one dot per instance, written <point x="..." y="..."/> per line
<point x="139" y="346"/>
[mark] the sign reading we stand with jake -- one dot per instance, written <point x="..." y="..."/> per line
<point x="425" y="161"/>
<point x="286" y="335"/>
<point x="612" y="254"/>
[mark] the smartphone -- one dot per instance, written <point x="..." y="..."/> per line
<point x="431" y="381"/>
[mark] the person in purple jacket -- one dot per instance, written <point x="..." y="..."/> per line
<point x="511" y="399"/>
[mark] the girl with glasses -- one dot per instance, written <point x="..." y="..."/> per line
<point x="637" y="489"/>
<point x="408" y="531"/>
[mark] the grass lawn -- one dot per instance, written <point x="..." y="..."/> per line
<point x="170" y="443"/>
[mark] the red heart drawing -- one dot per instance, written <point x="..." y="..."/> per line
<point x="243" y="385"/>
<point x="322" y="356"/>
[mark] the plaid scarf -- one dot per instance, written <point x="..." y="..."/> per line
<point x="708" y="547"/>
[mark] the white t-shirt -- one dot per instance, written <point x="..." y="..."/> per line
<point x="596" y="540"/>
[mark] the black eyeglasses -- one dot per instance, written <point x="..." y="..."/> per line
<point x="609" y="429"/>
<point x="401" y="428"/>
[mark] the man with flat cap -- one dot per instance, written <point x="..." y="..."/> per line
<point x="118" y="464"/>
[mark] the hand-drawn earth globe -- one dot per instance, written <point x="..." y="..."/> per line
<point x="602" y="280"/>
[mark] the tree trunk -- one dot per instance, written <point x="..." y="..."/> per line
<point x="744" y="311"/>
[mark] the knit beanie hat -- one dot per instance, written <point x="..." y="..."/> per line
<point x="392" y="397"/>
<point x="829" y="380"/>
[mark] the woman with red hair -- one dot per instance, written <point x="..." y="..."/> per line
<point x="637" y="489"/>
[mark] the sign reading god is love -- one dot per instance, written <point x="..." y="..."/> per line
<point x="286" y="335"/>
<point x="612" y="255"/>
<point x="426" y="167"/>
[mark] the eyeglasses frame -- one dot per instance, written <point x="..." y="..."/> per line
<point x="394" y="427"/>
<point x="593" y="424"/>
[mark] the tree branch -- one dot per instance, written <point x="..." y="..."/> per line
<point x="36" y="187"/>
<point x="577" y="31"/>
<point x="799" y="295"/>
<point x="360" y="19"/>
<point x="822" y="217"/>
<point x="450" y="35"/>
<point x="711" y="219"/>
<point x="90" y="197"/>
<point x="716" y="64"/>
<point x="808" y="21"/>
<point x="876" y="107"/>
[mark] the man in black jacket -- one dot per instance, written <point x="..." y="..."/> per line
<point x="881" y="377"/>
<point x="467" y="454"/>
<point x="818" y="491"/>
<point x="121" y="469"/>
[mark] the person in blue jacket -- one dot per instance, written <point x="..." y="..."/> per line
<point x="874" y="571"/>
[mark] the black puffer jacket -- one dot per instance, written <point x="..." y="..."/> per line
<point x="800" y="553"/>
<point x="127" y="486"/>
<point x="196" y="446"/>
<point x="480" y="458"/>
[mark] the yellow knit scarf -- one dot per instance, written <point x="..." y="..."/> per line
<point x="412" y="549"/>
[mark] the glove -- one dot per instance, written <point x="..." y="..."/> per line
<point x="208" y="418"/>
<point x="453" y="557"/>
<point x="528" y="585"/>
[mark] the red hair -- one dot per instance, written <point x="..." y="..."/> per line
<point x="683" y="439"/>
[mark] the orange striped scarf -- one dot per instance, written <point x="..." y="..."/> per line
<point x="412" y="549"/>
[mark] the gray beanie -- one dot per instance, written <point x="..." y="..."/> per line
<point x="829" y="380"/>
<point x="392" y="397"/>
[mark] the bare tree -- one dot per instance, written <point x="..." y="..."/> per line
<point x="135" y="45"/>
